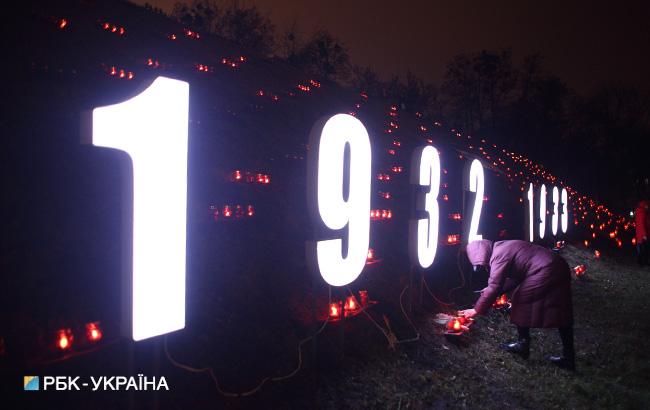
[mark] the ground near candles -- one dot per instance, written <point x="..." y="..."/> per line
<point x="357" y="369"/>
<point x="612" y="326"/>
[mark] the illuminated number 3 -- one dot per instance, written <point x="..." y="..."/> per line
<point x="152" y="129"/>
<point x="424" y="232"/>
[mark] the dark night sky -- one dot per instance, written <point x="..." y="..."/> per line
<point x="586" y="43"/>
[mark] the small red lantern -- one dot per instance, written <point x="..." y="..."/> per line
<point x="453" y="239"/>
<point x="502" y="301"/>
<point x="363" y="295"/>
<point x="64" y="339"/>
<point x="93" y="332"/>
<point x="351" y="305"/>
<point x="597" y="254"/>
<point x="580" y="270"/>
<point x="335" y="310"/>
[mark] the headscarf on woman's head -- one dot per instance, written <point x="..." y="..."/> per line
<point x="479" y="252"/>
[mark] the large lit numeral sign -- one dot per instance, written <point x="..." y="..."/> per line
<point x="476" y="183"/>
<point x="565" y="210"/>
<point x="530" y="225"/>
<point x="337" y="264"/>
<point x="555" y="217"/>
<point x="152" y="129"/>
<point x="542" y="211"/>
<point x="423" y="236"/>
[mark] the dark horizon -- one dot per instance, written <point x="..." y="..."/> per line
<point x="588" y="45"/>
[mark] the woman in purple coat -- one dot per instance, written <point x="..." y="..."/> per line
<point x="541" y="280"/>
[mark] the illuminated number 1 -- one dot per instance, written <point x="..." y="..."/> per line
<point x="424" y="236"/>
<point x="476" y="184"/>
<point x="327" y="160"/>
<point x="152" y="129"/>
<point x="531" y="229"/>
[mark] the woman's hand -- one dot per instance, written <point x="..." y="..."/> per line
<point x="467" y="313"/>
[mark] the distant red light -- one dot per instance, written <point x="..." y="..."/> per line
<point x="335" y="310"/>
<point x="597" y="254"/>
<point x="250" y="210"/>
<point x="500" y="215"/>
<point x="64" y="339"/>
<point x="456" y="216"/>
<point x="63" y="23"/>
<point x="227" y="211"/>
<point x="453" y="239"/>
<point x="93" y="332"/>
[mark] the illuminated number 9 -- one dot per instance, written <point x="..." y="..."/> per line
<point x="152" y="129"/>
<point x="542" y="211"/>
<point x="424" y="232"/>
<point x="556" y="202"/>
<point x="565" y="210"/>
<point x="476" y="184"/>
<point x="328" y="142"/>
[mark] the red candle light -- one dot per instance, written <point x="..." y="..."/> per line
<point x="335" y="310"/>
<point x="580" y="270"/>
<point x="351" y="305"/>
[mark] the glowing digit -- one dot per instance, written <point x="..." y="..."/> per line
<point x="476" y="184"/>
<point x="531" y="229"/>
<point x="542" y="211"/>
<point x="427" y="164"/>
<point x="335" y="211"/>
<point x="565" y="210"/>
<point x="152" y="129"/>
<point x="554" y="219"/>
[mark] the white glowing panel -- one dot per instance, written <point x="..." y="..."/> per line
<point x="542" y="211"/>
<point x="531" y="230"/>
<point x="152" y="129"/>
<point x="337" y="213"/>
<point x="427" y="229"/>
<point x="565" y="210"/>
<point x="476" y="184"/>
<point x="556" y="202"/>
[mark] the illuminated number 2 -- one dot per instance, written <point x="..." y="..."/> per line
<point x="152" y="129"/>
<point x="330" y="141"/>
<point x="424" y="235"/>
<point x="476" y="184"/>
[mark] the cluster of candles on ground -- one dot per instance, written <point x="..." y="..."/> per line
<point x="352" y="306"/>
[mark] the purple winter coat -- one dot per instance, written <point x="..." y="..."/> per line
<point x="540" y="277"/>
